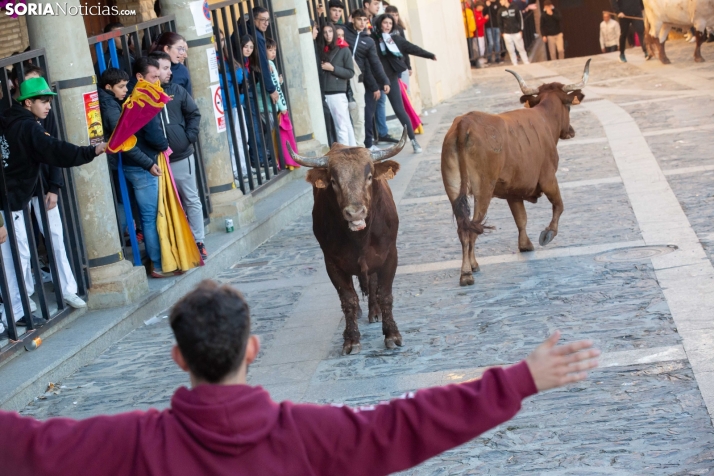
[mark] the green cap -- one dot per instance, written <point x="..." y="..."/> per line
<point x="34" y="87"/>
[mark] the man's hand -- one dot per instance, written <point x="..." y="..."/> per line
<point x="553" y="367"/>
<point x="274" y="96"/>
<point x="620" y="15"/>
<point x="545" y="39"/>
<point x="280" y="78"/>
<point x="155" y="170"/>
<point x="410" y="72"/>
<point x="377" y="95"/>
<point x="50" y="200"/>
<point x="387" y="89"/>
<point x="434" y="58"/>
<point x="327" y="66"/>
<point x="603" y="49"/>
<point x="3" y="234"/>
<point x="315" y="32"/>
<point x="100" y="148"/>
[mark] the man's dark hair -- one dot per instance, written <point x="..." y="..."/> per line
<point x="160" y="55"/>
<point x="359" y="13"/>
<point x="270" y="43"/>
<point x="141" y="65"/>
<point x="335" y="4"/>
<point x="211" y="325"/>
<point x="258" y="10"/>
<point x="113" y="26"/>
<point x="112" y="77"/>
<point x="27" y="68"/>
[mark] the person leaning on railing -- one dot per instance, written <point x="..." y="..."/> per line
<point x="552" y="31"/>
<point x="24" y="145"/>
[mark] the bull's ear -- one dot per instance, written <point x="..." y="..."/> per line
<point x="530" y="100"/>
<point x="576" y="97"/>
<point x="319" y="178"/>
<point x="386" y="170"/>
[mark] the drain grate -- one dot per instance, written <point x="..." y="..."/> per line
<point x="638" y="253"/>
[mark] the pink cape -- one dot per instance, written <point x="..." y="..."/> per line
<point x="286" y="135"/>
<point x="413" y="116"/>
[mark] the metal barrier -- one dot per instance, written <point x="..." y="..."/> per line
<point x="259" y="151"/>
<point x="104" y="49"/>
<point x="51" y="304"/>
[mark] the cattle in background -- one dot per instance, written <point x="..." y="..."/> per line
<point x="512" y="156"/>
<point x="355" y="220"/>
<point x="662" y="15"/>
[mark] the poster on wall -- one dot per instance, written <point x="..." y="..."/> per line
<point x="218" y="112"/>
<point x="201" y="17"/>
<point x="212" y="64"/>
<point x="93" y="118"/>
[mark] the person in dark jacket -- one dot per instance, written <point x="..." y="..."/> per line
<point x="493" y="32"/>
<point x="52" y="180"/>
<point x="223" y="426"/>
<point x="393" y="49"/>
<point x="511" y="24"/>
<point x="142" y="171"/>
<point x="24" y="145"/>
<point x="336" y="70"/>
<point x="552" y="31"/>
<point x="124" y="63"/>
<point x="630" y="8"/>
<point x="364" y="52"/>
<point x="175" y="46"/>
<point x="181" y="119"/>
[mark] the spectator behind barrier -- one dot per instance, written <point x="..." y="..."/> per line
<point x="124" y="64"/>
<point x="175" y="46"/>
<point x="609" y="33"/>
<point x="552" y="31"/>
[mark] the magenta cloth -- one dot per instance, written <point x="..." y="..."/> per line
<point x="286" y="135"/>
<point x="413" y="116"/>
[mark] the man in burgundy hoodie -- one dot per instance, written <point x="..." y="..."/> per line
<point x="222" y="426"/>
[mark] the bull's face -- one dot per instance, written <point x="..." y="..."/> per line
<point x="557" y="97"/>
<point x="350" y="173"/>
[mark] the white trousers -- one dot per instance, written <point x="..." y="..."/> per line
<point x="481" y="40"/>
<point x="357" y="107"/>
<point x="239" y="139"/>
<point x="67" y="282"/>
<point x="184" y="172"/>
<point x="515" y="41"/>
<point x="340" y="111"/>
<point x="9" y="265"/>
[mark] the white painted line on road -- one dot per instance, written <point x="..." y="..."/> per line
<point x="520" y="257"/>
<point x="571" y="184"/>
<point x="688" y="170"/>
<point x="686" y="276"/>
<point x="664" y="99"/>
<point x="703" y="127"/>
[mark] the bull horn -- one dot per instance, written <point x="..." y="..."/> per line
<point x="527" y="90"/>
<point x="306" y="161"/>
<point x="381" y="155"/>
<point x="574" y="87"/>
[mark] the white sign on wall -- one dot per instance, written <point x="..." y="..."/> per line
<point x="218" y="109"/>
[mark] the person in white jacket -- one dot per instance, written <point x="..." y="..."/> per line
<point x="609" y="33"/>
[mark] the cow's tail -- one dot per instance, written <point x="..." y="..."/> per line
<point x="460" y="206"/>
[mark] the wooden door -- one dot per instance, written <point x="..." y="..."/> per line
<point x="581" y="25"/>
<point x="95" y="24"/>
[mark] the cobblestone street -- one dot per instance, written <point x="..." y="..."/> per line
<point x="636" y="179"/>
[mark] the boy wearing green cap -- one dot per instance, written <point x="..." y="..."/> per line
<point x="24" y="145"/>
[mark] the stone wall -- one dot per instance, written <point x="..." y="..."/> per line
<point x="144" y="11"/>
<point x="13" y="35"/>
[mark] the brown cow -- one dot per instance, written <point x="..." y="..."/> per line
<point x="355" y="220"/>
<point x="512" y="156"/>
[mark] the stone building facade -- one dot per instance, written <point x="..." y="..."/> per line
<point x="13" y="35"/>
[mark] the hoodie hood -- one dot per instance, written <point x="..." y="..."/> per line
<point x="226" y="419"/>
<point x="17" y="113"/>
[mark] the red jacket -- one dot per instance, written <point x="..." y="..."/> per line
<point x="238" y="430"/>
<point x="480" y="22"/>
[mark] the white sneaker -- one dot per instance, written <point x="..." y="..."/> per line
<point x="374" y="148"/>
<point x="416" y="146"/>
<point x="74" y="301"/>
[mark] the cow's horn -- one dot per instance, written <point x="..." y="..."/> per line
<point x="574" y="87"/>
<point x="527" y="90"/>
<point x="379" y="156"/>
<point x="307" y="161"/>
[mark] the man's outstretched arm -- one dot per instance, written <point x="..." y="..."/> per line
<point x="394" y="436"/>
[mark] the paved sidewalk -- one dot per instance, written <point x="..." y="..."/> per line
<point x="636" y="178"/>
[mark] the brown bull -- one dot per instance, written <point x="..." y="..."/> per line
<point x="512" y="156"/>
<point x="355" y="220"/>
